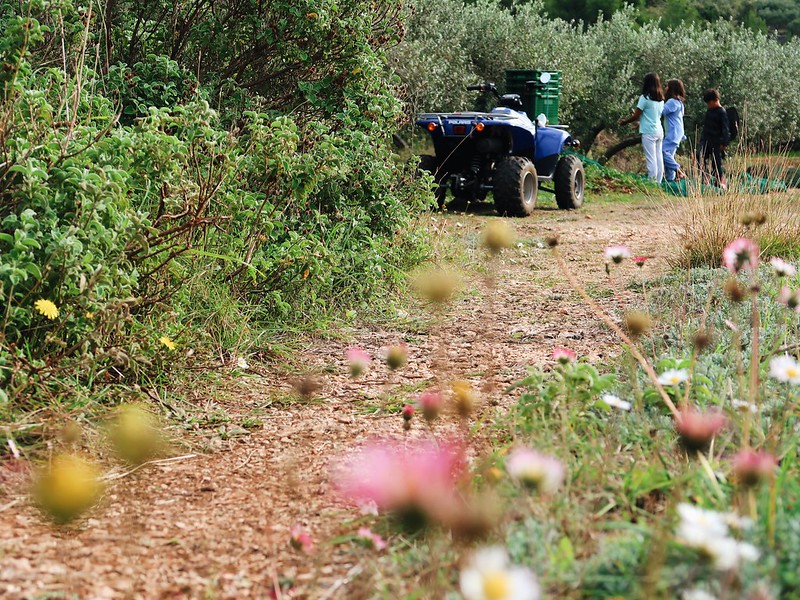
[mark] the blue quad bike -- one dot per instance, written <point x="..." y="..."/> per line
<point x="502" y="152"/>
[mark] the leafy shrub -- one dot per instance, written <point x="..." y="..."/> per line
<point x="121" y="223"/>
<point x="155" y="82"/>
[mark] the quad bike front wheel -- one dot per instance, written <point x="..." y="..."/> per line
<point x="430" y="164"/>
<point x="515" y="187"/>
<point x="570" y="182"/>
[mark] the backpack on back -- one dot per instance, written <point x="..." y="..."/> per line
<point x="733" y="121"/>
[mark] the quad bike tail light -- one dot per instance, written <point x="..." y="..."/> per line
<point x="431" y="126"/>
<point x="479" y="126"/>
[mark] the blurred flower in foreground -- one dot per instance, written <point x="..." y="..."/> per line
<point x="740" y="254"/>
<point x="397" y="356"/>
<point x="617" y="254"/>
<point x="539" y="471"/>
<point x="752" y="467"/>
<point x="300" y="539"/>
<point x="46" y="308"/>
<point x="734" y="290"/>
<point x="408" y="414"/>
<point x="464" y="397"/>
<point x="673" y="377"/>
<point x="615" y="402"/>
<point x="306" y="385"/>
<point x="785" y="368"/>
<point x="415" y="480"/>
<point x="436" y="285"/>
<point x="497" y="236"/>
<point x="371" y="540"/>
<point x="489" y="576"/>
<point x="707" y="532"/>
<point x="564" y="356"/>
<point x="790" y="297"/>
<point x="431" y="404"/>
<point x="68" y="487"/>
<point x="358" y="360"/>
<point x="639" y="261"/>
<point x="696" y="429"/>
<point x="782" y="268"/>
<point x="637" y="322"/>
<point x="136" y="434"/>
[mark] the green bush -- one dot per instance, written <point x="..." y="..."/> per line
<point x="123" y="194"/>
<point x="155" y="82"/>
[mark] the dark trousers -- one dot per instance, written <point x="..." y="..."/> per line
<point x="709" y="161"/>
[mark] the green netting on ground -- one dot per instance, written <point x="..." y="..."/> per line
<point x="745" y="184"/>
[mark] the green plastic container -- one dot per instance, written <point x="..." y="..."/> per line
<point x="538" y="97"/>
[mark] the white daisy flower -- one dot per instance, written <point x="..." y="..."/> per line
<point x="697" y="524"/>
<point x="785" y="368"/>
<point x="744" y="406"/>
<point x="489" y="576"/>
<point x="673" y="377"/>
<point x="723" y="552"/>
<point x="748" y="552"/>
<point x="540" y="471"/>
<point x="615" y="402"/>
<point x="707" y="532"/>
<point x="242" y="363"/>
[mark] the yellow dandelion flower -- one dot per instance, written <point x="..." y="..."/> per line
<point x="47" y="308"/>
<point x="90" y="315"/>
<point x="167" y="342"/>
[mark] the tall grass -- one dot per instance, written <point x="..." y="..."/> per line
<point x="709" y="218"/>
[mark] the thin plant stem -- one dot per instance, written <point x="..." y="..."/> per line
<point x="603" y="316"/>
<point x="637" y="390"/>
<point x="773" y="510"/>
<point x="692" y="364"/>
<point x="754" y="365"/>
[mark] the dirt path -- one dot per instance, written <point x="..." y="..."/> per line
<point x="218" y="525"/>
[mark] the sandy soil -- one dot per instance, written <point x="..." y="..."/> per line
<point x="217" y="525"/>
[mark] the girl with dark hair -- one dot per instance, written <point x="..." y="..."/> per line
<point x="674" y="135"/>
<point x="648" y="113"/>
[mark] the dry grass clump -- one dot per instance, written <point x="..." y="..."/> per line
<point x="709" y="220"/>
<point x="708" y="224"/>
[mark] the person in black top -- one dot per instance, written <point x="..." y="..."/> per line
<point x="713" y="140"/>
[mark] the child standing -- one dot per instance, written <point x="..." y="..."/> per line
<point x="648" y="112"/>
<point x="674" y="135"/>
<point x="713" y="139"/>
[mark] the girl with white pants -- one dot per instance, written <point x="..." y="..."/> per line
<point x="648" y="113"/>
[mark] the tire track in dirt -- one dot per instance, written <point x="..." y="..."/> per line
<point x="218" y="525"/>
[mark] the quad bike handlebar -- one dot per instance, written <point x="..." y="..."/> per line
<point x="484" y="87"/>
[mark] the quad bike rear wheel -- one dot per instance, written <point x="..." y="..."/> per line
<point x="570" y="182"/>
<point x="431" y="165"/>
<point x="515" y="187"/>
